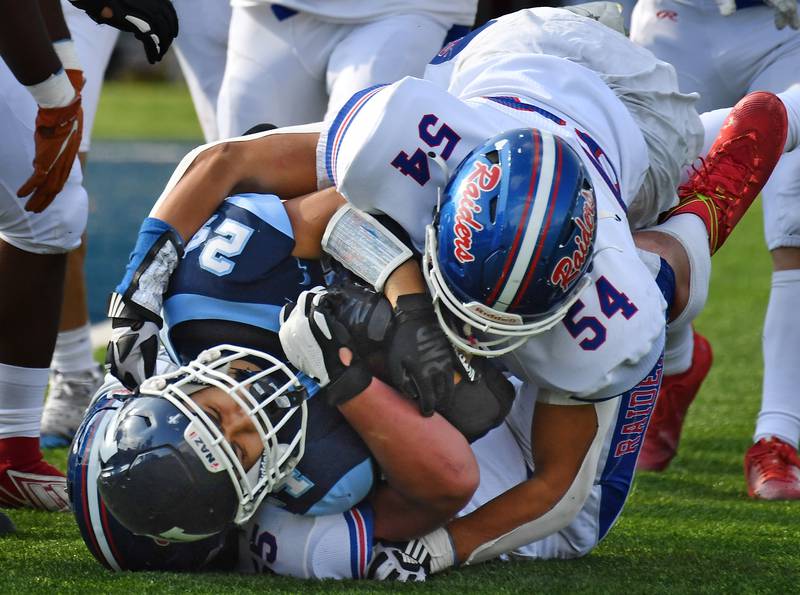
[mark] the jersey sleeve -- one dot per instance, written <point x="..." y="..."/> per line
<point x="377" y="150"/>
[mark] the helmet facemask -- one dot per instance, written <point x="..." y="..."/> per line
<point x="271" y="397"/>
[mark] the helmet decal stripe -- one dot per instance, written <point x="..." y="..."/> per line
<point x="85" y="492"/>
<point x="107" y="530"/>
<point x="536" y="173"/>
<point x="543" y="237"/>
<point x="100" y="529"/>
<point x="535" y="227"/>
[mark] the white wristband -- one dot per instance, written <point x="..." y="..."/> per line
<point x="66" y="52"/>
<point x="54" y="91"/>
<point x="364" y="246"/>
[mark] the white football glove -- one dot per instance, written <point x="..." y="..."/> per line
<point x="298" y="340"/>
<point x="412" y="561"/>
<point x="785" y="11"/>
<point x="132" y="351"/>
<point x="312" y="338"/>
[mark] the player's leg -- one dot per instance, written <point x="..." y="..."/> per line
<point x="337" y="546"/>
<point x="381" y="51"/>
<point x="75" y="376"/>
<point x="32" y="261"/>
<point x="713" y="200"/>
<point x="772" y="467"/>
<point x="275" y="69"/>
<point x="201" y="48"/>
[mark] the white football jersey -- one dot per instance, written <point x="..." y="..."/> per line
<point x="460" y="12"/>
<point x="376" y="153"/>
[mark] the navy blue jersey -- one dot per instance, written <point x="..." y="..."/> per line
<point x="239" y="266"/>
<point x="236" y="274"/>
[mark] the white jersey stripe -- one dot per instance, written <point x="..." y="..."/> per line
<point x="540" y="202"/>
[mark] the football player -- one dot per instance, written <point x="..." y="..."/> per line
<point x="233" y="278"/>
<point x="201" y="48"/>
<point x="42" y="215"/>
<point x="296" y="61"/>
<point x="754" y="47"/>
<point x="604" y="133"/>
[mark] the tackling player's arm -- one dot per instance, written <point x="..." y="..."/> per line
<point x="271" y="162"/>
<point x="566" y="443"/>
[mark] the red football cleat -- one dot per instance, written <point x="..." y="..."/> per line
<point x="737" y="166"/>
<point x="676" y="394"/>
<point x="27" y="481"/>
<point x="772" y="470"/>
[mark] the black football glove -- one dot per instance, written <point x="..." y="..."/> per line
<point x="420" y="359"/>
<point x="367" y="315"/>
<point x="311" y="337"/>
<point x="153" y="22"/>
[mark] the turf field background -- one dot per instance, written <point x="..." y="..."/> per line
<point x="691" y="529"/>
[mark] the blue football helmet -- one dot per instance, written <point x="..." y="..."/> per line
<point x="509" y="247"/>
<point x="114" y="546"/>
<point x="166" y="468"/>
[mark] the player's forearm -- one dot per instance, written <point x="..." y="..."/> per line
<point x="24" y="42"/>
<point x="516" y="508"/>
<point x="405" y="279"/>
<point x="54" y="19"/>
<point x="567" y="443"/>
<point x="424" y="458"/>
<point x="272" y="162"/>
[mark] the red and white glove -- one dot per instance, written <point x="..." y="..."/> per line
<point x="57" y="138"/>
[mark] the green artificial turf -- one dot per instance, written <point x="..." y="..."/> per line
<point x="691" y="529"/>
<point x="146" y="110"/>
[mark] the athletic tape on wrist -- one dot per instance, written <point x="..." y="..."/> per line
<point x="66" y="52"/>
<point x="441" y="548"/>
<point x="364" y="246"/>
<point x="55" y="91"/>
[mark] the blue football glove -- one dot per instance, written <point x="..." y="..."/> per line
<point x="135" y="305"/>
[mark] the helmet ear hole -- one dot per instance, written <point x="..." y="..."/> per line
<point x="493" y="157"/>
<point x="493" y="209"/>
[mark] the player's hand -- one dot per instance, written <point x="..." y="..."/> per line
<point x="153" y="22"/>
<point x="366" y="314"/>
<point x="133" y="349"/>
<point x="420" y="358"/>
<point x="318" y="344"/>
<point x="57" y="139"/>
<point x="400" y="562"/>
<point x="785" y="13"/>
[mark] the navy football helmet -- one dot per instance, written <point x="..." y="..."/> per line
<point x="114" y="546"/>
<point x="166" y="468"/>
<point x="509" y="247"/>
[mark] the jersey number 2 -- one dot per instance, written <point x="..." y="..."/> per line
<point x="229" y="239"/>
